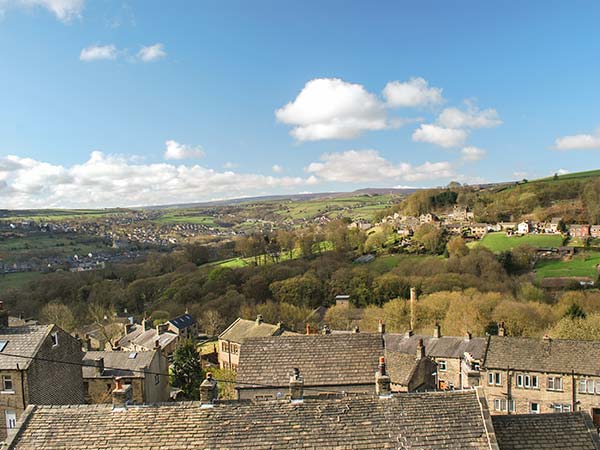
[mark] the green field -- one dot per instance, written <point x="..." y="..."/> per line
<point x="17" y="280"/>
<point x="571" y="176"/>
<point x="48" y="244"/>
<point x="500" y="242"/>
<point x="49" y="215"/>
<point x="583" y="265"/>
<point x="186" y="217"/>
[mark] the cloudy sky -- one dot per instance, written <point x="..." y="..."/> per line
<point x="111" y="103"/>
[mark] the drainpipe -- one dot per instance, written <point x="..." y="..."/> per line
<point x="509" y="390"/>
<point x="22" y="386"/>
<point x="573" y="395"/>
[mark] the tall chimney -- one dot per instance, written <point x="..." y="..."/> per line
<point x="413" y="307"/>
<point x="122" y="395"/>
<point x="296" y="386"/>
<point x="383" y="383"/>
<point x="208" y="391"/>
<point x="501" y="329"/>
<point x="381" y="327"/>
<point x="259" y="319"/>
<point x="437" y="330"/>
<point x="3" y="316"/>
<point x="99" y="365"/>
<point x="420" y="349"/>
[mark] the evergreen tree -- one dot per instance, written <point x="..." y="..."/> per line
<point x="186" y="370"/>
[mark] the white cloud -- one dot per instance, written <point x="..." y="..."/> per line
<point x="444" y="137"/>
<point x="277" y="168"/>
<point x="175" y="150"/>
<point x="520" y="175"/>
<point x="562" y="171"/>
<point x="109" y="180"/>
<point x="152" y="52"/>
<point x="98" y="52"/>
<point x="64" y="10"/>
<point x="355" y="166"/>
<point x="473" y="117"/>
<point x="579" y="141"/>
<point x="412" y="93"/>
<point x="472" y="153"/>
<point x="229" y="165"/>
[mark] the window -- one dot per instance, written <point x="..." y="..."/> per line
<point x="534" y="382"/>
<point x="442" y="366"/>
<point x="3" y="345"/>
<point x="519" y="380"/>
<point x="494" y="378"/>
<point x="534" y="408"/>
<point x="225" y="347"/>
<point x="54" y="339"/>
<point x="554" y="383"/>
<point x="527" y="381"/>
<point x="561" y="407"/>
<point x="132" y="355"/>
<point x="156" y="379"/>
<point x="11" y="418"/>
<point x="501" y="404"/>
<point x="7" y="383"/>
<point x="587" y="386"/>
<point x="234" y="349"/>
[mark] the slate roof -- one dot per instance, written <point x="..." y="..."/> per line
<point x="400" y="367"/>
<point x="323" y="359"/>
<point x="542" y="355"/>
<point x="23" y="341"/>
<point x="442" y="347"/>
<point x="146" y="338"/>
<point x="574" y="431"/>
<point x="183" y="321"/>
<point x="242" y="329"/>
<point x="121" y="360"/>
<point x="405" y="421"/>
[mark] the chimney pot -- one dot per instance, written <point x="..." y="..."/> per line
<point x="208" y="391"/>
<point x="122" y="395"/>
<point x="296" y="386"/>
<point x="382" y="380"/>
<point x="308" y="328"/>
<point x="501" y="329"/>
<point x="547" y="338"/>
<point x="381" y="326"/>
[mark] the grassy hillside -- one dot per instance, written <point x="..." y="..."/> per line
<point x="584" y="265"/>
<point x="500" y="242"/>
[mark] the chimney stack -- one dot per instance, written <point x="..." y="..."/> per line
<point x="468" y="336"/>
<point x="383" y="383"/>
<point x="146" y="323"/>
<point x="356" y="329"/>
<point x="437" y="330"/>
<point x="413" y="306"/>
<point x="259" y="319"/>
<point x="381" y="326"/>
<point x="208" y="391"/>
<point x="501" y="329"/>
<point x="3" y="316"/>
<point x="308" y="328"/>
<point x="296" y="386"/>
<point x="162" y="328"/>
<point x="547" y="338"/>
<point x="157" y="344"/>
<point x="326" y="329"/>
<point x="409" y="333"/>
<point x="420" y="349"/>
<point x="122" y="395"/>
<point x="99" y="365"/>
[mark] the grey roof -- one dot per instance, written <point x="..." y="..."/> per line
<point x="23" y="341"/>
<point x="443" y="347"/>
<point x="323" y="359"/>
<point x="574" y="431"/>
<point x="146" y="339"/>
<point x="183" y="321"/>
<point x="544" y="355"/>
<point x="242" y="329"/>
<point x="405" y="421"/>
<point x="128" y="363"/>
<point x="400" y="367"/>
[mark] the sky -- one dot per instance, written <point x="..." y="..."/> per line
<point x="111" y="103"/>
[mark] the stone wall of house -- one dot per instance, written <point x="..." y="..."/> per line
<point x="156" y="387"/>
<point x="546" y="399"/>
<point x="52" y="382"/>
<point x="99" y="390"/>
<point x="450" y="377"/>
<point x="11" y="400"/>
<point x="423" y="378"/>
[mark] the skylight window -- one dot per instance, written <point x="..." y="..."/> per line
<point x="132" y="355"/>
<point x="3" y="345"/>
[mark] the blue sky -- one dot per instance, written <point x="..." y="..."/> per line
<point x="110" y="103"/>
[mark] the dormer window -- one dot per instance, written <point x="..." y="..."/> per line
<point x="54" y="339"/>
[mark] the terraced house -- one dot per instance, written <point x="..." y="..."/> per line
<point x="29" y="373"/>
<point x="533" y="376"/>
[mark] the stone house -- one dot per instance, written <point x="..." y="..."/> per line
<point x="454" y="228"/>
<point x="532" y="376"/>
<point x="411" y="373"/>
<point x="524" y="227"/>
<point x="479" y="229"/>
<point x="461" y="213"/>
<point x="579" y="231"/>
<point x="145" y="338"/>
<point x="428" y="218"/>
<point x="146" y="372"/>
<point x="184" y="326"/>
<point x="439" y="420"/>
<point x="458" y="359"/>
<point x="231" y="340"/>
<point x="28" y="373"/>
<point x="552" y="226"/>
